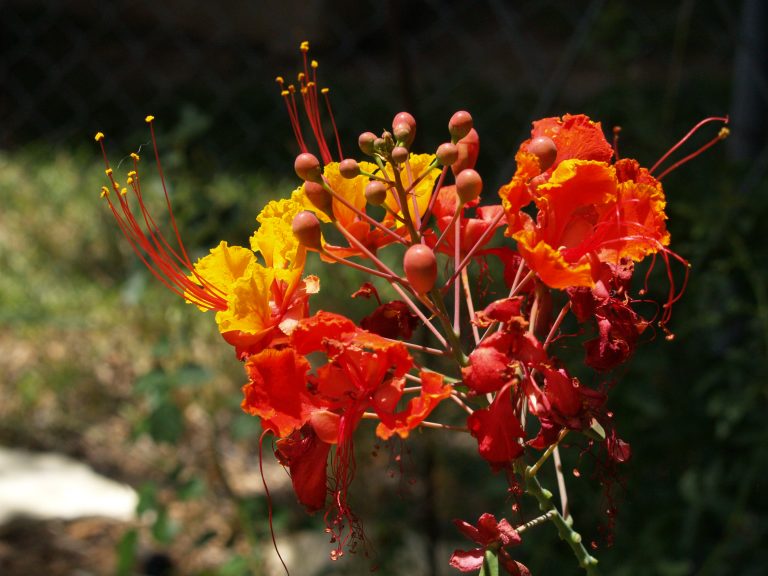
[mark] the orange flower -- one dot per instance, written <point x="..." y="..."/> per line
<point x="589" y="211"/>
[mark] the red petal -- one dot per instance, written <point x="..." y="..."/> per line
<point x="468" y="561"/>
<point x="277" y="390"/>
<point x="497" y="430"/>
<point x="433" y="391"/>
<point x="306" y="456"/>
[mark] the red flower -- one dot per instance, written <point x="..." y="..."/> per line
<point x="490" y="535"/>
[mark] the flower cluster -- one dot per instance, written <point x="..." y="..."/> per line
<point x="566" y="230"/>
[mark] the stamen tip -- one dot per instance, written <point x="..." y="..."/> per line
<point x="149" y="119"/>
<point x="724" y="133"/>
<point x="304" y="46"/>
<point x="99" y="136"/>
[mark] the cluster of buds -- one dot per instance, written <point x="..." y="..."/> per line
<point x="575" y="220"/>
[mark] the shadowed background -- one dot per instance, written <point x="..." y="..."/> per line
<point x="98" y="362"/>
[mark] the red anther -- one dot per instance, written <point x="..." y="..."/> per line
<point x="420" y="267"/>
<point x="365" y="141"/>
<point x="319" y="196"/>
<point x="307" y="167"/>
<point x="447" y="153"/>
<point x="460" y="124"/>
<point x="399" y="154"/>
<point x="545" y="150"/>
<point x="468" y="185"/>
<point x="349" y="168"/>
<point x="404" y="128"/>
<point x="469" y="149"/>
<point x="376" y="192"/>
<point x="306" y="229"/>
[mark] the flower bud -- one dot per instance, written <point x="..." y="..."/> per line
<point x="307" y="167"/>
<point x="447" y="154"/>
<point x="376" y="192"/>
<point x="468" y="185"/>
<point x="404" y="128"/>
<point x="365" y="141"/>
<point x="545" y="150"/>
<point x="459" y="125"/>
<point x="420" y="267"/>
<point x="469" y="149"/>
<point x="306" y="229"/>
<point x="319" y="196"/>
<point x="349" y="168"/>
<point x="399" y="154"/>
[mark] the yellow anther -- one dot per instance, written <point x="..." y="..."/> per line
<point x="135" y="156"/>
<point x="304" y="46"/>
<point x="310" y="84"/>
<point x="129" y="181"/>
<point x="116" y="186"/>
<point x="303" y="90"/>
<point x="324" y="90"/>
<point x="292" y="88"/>
<point x="108" y="171"/>
<point x="104" y="192"/>
<point x="300" y="76"/>
<point x="99" y="136"/>
<point x="132" y="173"/>
<point x="149" y="119"/>
<point x="314" y="64"/>
<point x="284" y="93"/>
<point x="124" y="191"/>
<point x="279" y="80"/>
<point x="724" y="132"/>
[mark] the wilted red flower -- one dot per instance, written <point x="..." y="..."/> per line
<point x="490" y="534"/>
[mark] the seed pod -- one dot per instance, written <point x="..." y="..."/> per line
<point x="306" y="229"/>
<point x="376" y="192"/>
<point x="545" y="150"/>
<point x="460" y="124"/>
<point x="349" y="168"/>
<point x="447" y="153"/>
<point x="468" y="185"/>
<point x="420" y="267"/>
<point x="307" y="167"/>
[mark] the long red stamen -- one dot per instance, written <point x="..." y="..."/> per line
<point x="684" y="139"/>
<point x="173" y="269"/>
<point x="325" y="92"/>
<point x="269" y="500"/>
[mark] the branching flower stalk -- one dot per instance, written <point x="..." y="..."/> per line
<point x="565" y="234"/>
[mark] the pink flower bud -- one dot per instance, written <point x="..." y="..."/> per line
<point x="545" y="150"/>
<point x="420" y="267"/>
<point x="469" y="149"/>
<point x="306" y="229"/>
<point x="399" y="154"/>
<point x="376" y="192"/>
<point x="365" y="141"/>
<point x="349" y="168"/>
<point x="447" y="153"/>
<point x="404" y="128"/>
<point x="459" y="125"/>
<point x="468" y="185"/>
<point x="319" y="196"/>
<point x="307" y="167"/>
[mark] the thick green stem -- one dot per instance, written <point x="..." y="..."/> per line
<point x="564" y="527"/>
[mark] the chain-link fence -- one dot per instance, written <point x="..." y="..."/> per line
<point x="206" y="69"/>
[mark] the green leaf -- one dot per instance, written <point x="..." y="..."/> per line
<point x="166" y="423"/>
<point x="126" y="553"/>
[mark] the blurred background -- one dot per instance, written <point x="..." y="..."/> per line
<point x="100" y="364"/>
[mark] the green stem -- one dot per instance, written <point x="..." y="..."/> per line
<point x="490" y="564"/>
<point x="564" y="527"/>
